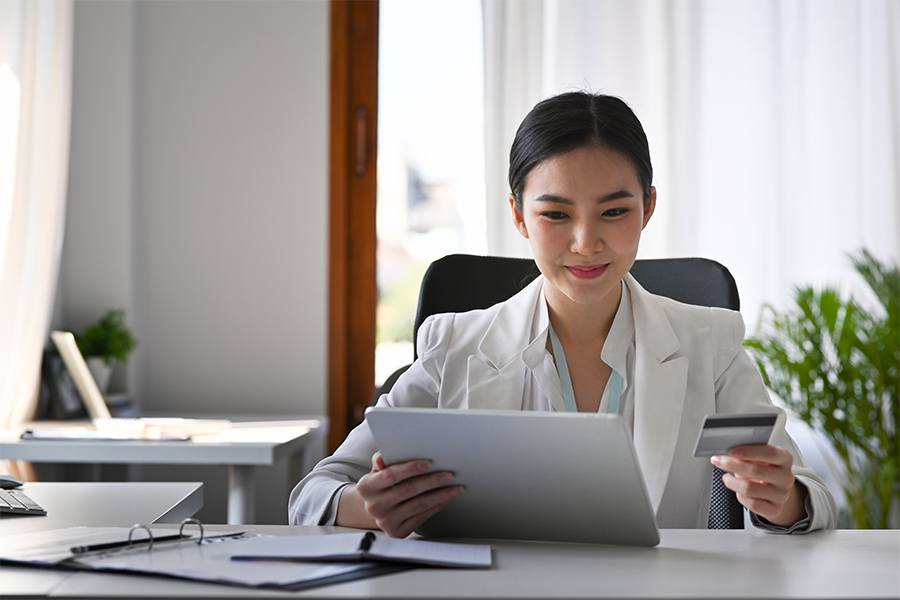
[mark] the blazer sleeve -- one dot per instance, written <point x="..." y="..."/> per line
<point x="740" y="388"/>
<point x="314" y="500"/>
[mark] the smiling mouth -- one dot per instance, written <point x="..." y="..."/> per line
<point x="587" y="271"/>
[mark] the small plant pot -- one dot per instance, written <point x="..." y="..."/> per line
<point x="100" y="371"/>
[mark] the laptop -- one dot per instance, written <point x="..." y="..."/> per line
<point x="562" y="477"/>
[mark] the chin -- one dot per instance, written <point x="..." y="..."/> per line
<point x="588" y="292"/>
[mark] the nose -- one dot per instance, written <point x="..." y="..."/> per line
<point x="586" y="239"/>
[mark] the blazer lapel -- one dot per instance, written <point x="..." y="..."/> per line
<point x="660" y="383"/>
<point x="495" y="373"/>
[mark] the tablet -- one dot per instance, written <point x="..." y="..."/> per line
<point x="564" y="477"/>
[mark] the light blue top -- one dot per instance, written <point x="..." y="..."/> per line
<point x="615" y="385"/>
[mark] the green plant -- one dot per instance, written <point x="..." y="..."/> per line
<point x="109" y="338"/>
<point x="837" y="365"/>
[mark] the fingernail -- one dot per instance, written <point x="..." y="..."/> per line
<point x="446" y="477"/>
<point x="423" y="466"/>
<point x="457" y="491"/>
<point x="715" y="460"/>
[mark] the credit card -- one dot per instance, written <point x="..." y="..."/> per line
<point x="721" y="433"/>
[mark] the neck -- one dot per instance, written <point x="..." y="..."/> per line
<point x="582" y="324"/>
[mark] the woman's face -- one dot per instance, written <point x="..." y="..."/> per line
<point x="583" y="213"/>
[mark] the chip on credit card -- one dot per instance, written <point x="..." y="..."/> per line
<point x="721" y="433"/>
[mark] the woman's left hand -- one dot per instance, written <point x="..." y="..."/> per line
<point x="762" y="479"/>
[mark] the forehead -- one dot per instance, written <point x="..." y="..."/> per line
<point x="584" y="172"/>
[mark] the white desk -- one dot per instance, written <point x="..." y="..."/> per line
<point x="242" y="448"/>
<point x="686" y="564"/>
<point x="105" y="504"/>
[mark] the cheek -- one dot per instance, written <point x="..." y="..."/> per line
<point x="628" y="232"/>
<point x="547" y="237"/>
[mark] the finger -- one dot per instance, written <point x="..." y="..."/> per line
<point x="378" y="462"/>
<point x="382" y="502"/>
<point x="411" y="524"/>
<point x="766" y="453"/>
<point x="765" y="472"/>
<point x="393" y="474"/>
<point x="416" y="486"/>
<point x="755" y="490"/>
<point x="425" y="502"/>
<point x="763" y="508"/>
<point x="391" y="522"/>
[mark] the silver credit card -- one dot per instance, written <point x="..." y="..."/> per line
<point x="721" y="433"/>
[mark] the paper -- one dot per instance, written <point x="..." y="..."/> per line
<point x="347" y="547"/>
<point x="212" y="562"/>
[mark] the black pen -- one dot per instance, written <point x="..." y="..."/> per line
<point x="366" y="543"/>
<point x="121" y="544"/>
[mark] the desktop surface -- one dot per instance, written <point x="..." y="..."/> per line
<point x="105" y="504"/>
<point x="686" y="564"/>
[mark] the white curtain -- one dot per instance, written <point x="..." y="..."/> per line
<point x="774" y="131"/>
<point x="774" y="126"/>
<point x="35" y="99"/>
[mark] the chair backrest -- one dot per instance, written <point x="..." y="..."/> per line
<point x="461" y="282"/>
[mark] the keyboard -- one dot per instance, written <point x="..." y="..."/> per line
<point x="17" y="503"/>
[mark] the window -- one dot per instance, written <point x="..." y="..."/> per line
<point x="430" y="196"/>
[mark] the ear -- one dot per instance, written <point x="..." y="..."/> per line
<point x="518" y="217"/>
<point x="649" y="206"/>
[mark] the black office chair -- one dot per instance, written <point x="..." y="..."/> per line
<point x="462" y="282"/>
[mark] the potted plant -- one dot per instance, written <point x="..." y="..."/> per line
<point x="105" y="343"/>
<point x="837" y="365"/>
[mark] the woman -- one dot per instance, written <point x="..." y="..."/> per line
<point x="583" y="336"/>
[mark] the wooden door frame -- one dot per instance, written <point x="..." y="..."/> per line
<point x="352" y="235"/>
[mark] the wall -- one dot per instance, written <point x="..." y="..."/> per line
<point x="96" y="266"/>
<point x="231" y="205"/>
<point x="198" y="200"/>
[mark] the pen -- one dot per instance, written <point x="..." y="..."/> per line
<point x="366" y="542"/>
<point x="120" y="544"/>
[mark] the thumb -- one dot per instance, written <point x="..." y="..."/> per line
<point x="378" y="462"/>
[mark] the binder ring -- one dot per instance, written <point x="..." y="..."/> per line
<point x="136" y="527"/>
<point x="190" y="521"/>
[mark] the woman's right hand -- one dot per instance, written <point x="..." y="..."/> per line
<point x="401" y="497"/>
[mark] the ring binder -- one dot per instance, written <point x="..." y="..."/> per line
<point x="191" y="521"/>
<point x="139" y="526"/>
<point x="286" y="562"/>
<point x="119" y="546"/>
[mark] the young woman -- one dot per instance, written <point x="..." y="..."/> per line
<point x="584" y="336"/>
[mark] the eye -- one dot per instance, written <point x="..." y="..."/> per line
<point x="554" y="215"/>
<point x="615" y="212"/>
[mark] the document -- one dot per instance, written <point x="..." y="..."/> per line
<point x="364" y="547"/>
<point x="281" y="562"/>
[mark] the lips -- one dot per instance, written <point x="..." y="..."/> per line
<point x="587" y="271"/>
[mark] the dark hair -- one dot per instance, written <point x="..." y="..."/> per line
<point x="575" y="120"/>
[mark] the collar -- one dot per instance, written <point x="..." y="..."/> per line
<point x="615" y="350"/>
<point x="620" y="339"/>
<point x="519" y="328"/>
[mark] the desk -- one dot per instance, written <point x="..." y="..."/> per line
<point x="105" y="504"/>
<point x="242" y="448"/>
<point x="687" y="564"/>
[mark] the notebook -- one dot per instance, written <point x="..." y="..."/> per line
<point x="363" y="547"/>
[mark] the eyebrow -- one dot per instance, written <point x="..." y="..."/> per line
<point x="607" y="198"/>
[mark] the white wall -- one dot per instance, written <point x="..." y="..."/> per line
<point x="96" y="266"/>
<point x="198" y="199"/>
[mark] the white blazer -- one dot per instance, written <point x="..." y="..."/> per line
<point x="689" y="362"/>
